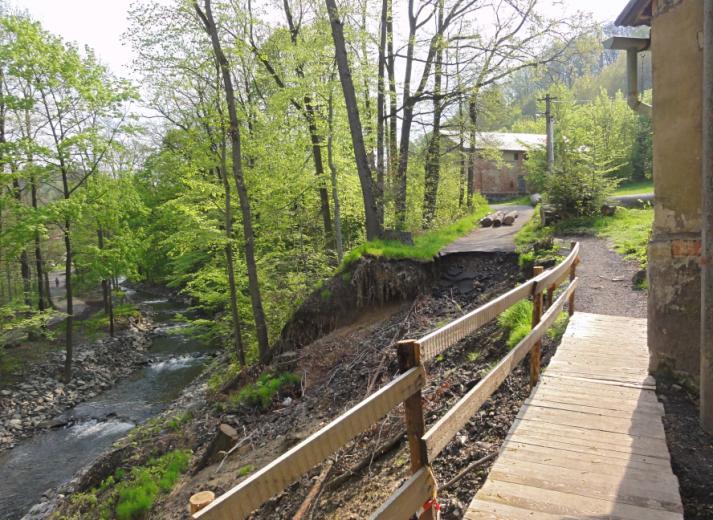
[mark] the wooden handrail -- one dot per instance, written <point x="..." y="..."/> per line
<point x="240" y="501"/>
<point x="409" y="497"/>
<point x="440" y="434"/>
<point x="247" y="496"/>
<point x="440" y="339"/>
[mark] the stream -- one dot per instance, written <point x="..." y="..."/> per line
<point x="51" y="458"/>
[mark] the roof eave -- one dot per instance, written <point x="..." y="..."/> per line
<point x="636" y="13"/>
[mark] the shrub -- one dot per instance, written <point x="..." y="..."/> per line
<point x="261" y="393"/>
<point x="517" y="321"/>
<point x="137" y="494"/>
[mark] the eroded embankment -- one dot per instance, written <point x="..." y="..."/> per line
<point x="342" y="339"/>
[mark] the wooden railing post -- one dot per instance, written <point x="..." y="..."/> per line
<point x="535" y="353"/>
<point x="572" y="276"/>
<point x="409" y="356"/>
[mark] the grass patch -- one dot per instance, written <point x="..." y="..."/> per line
<point x="130" y="495"/>
<point x="628" y="230"/>
<point x="260" y="394"/>
<point x="635" y="188"/>
<point x="426" y="245"/>
<point x="93" y="326"/>
<point x="517" y="321"/>
<point x="517" y="201"/>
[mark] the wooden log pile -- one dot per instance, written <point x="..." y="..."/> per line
<point x="499" y="218"/>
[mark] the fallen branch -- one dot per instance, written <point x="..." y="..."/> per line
<point x="468" y="469"/>
<point x="236" y="447"/>
<point x="314" y="491"/>
<point x="366" y="461"/>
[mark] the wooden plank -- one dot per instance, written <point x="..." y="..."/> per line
<point x="597" y="388"/>
<point x="589" y="485"/>
<point x="588" y="461"/>
<point x="643" y="427"/>
<point x="581" y="436"/>
<point x="646" y="386"/>
<point x="408" y="498"/>
<point x="247" y="496"/>
<point x="594" y="410"/>
<point x="582" y="398"/>
<point x="439" y="340"/>
<point x="567" y="504"/>
<point x="484" y="510"/>
<point x="615" y="453"/>
<point x="438" y="436"/>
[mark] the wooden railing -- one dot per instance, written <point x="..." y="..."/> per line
<point x="418" y="491"/>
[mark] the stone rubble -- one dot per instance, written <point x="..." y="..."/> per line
<point x="35" y="403"/>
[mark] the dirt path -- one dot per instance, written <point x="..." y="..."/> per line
<point x="606" y="281"/>
<point x="492" y="239"/>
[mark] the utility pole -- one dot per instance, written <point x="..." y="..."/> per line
<point x="550" y="132"/>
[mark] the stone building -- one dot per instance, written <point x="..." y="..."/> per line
<point x="674" y="275"/>
<point x="499" y="172"/>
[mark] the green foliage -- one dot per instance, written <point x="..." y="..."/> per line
<point x="261" y="393"/>
<point x="426" y="245"/>
<point x="245" y="470"/>
<point x="472" y="357"/>
<point x="137" y="494"/>
<point x="177" y="422"/>
<point x="517" y="321"/>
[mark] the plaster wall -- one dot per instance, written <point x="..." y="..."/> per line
<point x="674" y="249"/>
<point x="495" y="180"/>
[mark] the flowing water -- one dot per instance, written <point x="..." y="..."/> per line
<point x="51" y="458"/>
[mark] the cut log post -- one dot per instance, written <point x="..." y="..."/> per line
<point x="200" y="500"/>
<point x="509" y="218"/>
<point x="225" y="438"/>
<point x="486" y="221"/>
<point x="498" y="219"/>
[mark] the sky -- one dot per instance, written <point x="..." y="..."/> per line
<point x="100" y="23"/>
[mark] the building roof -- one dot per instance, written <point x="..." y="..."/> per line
<point x="510" y="142"/>
<point x="636" y="12"/>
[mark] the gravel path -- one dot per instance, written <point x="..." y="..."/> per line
<point x="606" y="281"/>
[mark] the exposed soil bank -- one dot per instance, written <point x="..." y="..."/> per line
<point x="352" y="357"/>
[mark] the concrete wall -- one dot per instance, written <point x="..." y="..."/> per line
<point x="497" y="181"/>
<point x="674" y="250"/>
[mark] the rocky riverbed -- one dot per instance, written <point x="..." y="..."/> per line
<point x="41" y="396"/>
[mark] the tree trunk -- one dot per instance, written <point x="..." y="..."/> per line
<point x="462" y="179"/>
<point x="433" y="155"/>
<point x="68" y="289"/>
<point x="381" y="117"/>
<point x="472" y="113"/>
<point x="391" y="71"/>
<point x="234" y="131"/>
<point x="42" y="301"/>
<point x="333" y="171"/>
<point x="229" y="261"/>
<point x="373" y="229"/>
<point x="106" y="290"/>
<point x="24" y="261"/>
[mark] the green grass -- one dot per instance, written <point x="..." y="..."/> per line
<point x="137" y="494"/>
<point x="261" y="393"/>
<point x="533" y="233"/>
<point x="517" y="321"/>
<point x="628" y="230"/>
<point x="635" y="188"/>
<point x="130" y="495"/>
<point x="517" y="201"/>
<point x="99" y="322"/>
<point x="426" y="245"/>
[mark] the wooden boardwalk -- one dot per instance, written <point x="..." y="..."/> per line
<point x="589" y="443"/>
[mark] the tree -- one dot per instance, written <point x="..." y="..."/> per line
<point x="206" y="16"/>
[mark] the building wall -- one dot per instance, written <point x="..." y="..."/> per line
<point x="493" y="180"/>
<point x="674" y="249"/>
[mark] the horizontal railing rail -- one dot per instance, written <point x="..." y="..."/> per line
<point x="418" y="493"/>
